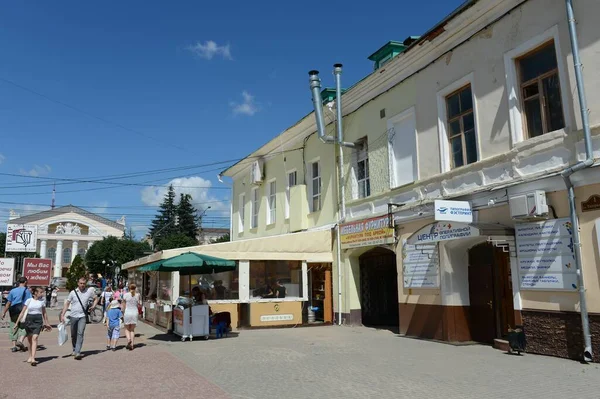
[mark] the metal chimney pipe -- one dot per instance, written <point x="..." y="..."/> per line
<point x="315" y="88"/>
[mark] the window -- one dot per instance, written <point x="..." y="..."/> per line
<point x="461" y="127"/>
<point x="362" y="169"/>
<point x="217" y="286"/>
<point x="272" y="202"/>
<point x="81" y="252"/>
<point x="402" y="136"/>
<point x="255" y="208"/>
<point x="315" y="193"/>
<point x="165" y="289"/>
<point x="66" y="255"/>
<point x="241" y="212"/>
<point x="52" y="254"/>
<point x="291" y="182"/>
<point x="540" y="91"/>
<point x="275" y="279"/>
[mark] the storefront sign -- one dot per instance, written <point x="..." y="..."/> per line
<point x="367" y="232"/>
<point x="453" y="211"/>
<point x="440" y="231"/>
<point x="37" y="271"/>
<point x="21" y="237"/>
<point x="545" y="255"/>
<point x="277" y="317"/>
<point x="591" y="204"/>
<point x="420" y="266"/>
<point x="178" y="316"/>
<point x="7" y="271"/>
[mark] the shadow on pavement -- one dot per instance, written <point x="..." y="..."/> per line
<point x="176" y="338"/>
<point x="46" y="359"/>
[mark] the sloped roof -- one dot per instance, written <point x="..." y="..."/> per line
<point x="66" y="209"/>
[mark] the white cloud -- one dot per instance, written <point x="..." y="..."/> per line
<point x="247" y="107"/>
<point x="2" y="158"/>
<point x="101" y="208"/>
<point x="37" y="170"/>
<point x="209" y="49"/>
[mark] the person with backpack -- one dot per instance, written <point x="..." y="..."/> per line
<point x="14" y="304"/>
<point x="79" y="313"/>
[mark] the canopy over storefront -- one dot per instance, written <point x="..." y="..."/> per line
<point x="309" y="246"/>
<point x="191" y="263"/>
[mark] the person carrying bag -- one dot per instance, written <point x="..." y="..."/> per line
<point x="14" y="304"/>
<point x="79" y="313"/>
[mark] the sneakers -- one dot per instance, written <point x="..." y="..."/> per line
<point x="78" y="356"/>
<point x="107" y="347"/>
<point x="14" y="349"/>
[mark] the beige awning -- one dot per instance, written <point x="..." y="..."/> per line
<point x="309" y="246"/>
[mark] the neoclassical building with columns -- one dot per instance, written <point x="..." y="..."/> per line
<point x="68" y="231"/>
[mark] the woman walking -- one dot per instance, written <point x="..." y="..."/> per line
<point x="131" y="304"/>
<point x="35" y="321"/>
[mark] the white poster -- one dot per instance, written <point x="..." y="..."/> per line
<point x="21" y="238"/>
<point x="453" y="211"/>
<point x="545" y="255"/>
<point x="420" y="266"/>
<point x="7" y="271"/>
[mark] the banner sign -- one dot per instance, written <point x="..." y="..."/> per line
<point x="545" y="255"/>
<point x="440" y="231"/>
<point x="7" y="271"/>
<point x="453" y="211"/>
<point x="420" y="266"/>
<point x="367" y="232"/>
<point x="37" y="271"/>
<point x="21" y="237"/>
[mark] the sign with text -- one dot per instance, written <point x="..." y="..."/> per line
<point x="420" y="266"/>
<point x="367" y="232"/>
<point x="591" y="204"/>
<point x="7" y="271"/>
<point x="545" y="255"/>
<point x="21" y="237"/>
<point x="440" y="231"/>
<point x="453" y="211"/>
<point x="37" y="271"/>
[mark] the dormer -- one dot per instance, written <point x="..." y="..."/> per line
<point x="328" y="94"/>
<point x="389" y="51"/>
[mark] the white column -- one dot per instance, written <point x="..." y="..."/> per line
<point x="43" y="247"/>
<point x="90" y="243"/>
<point x="58" y="259"/>
<point x="74" y="250"/>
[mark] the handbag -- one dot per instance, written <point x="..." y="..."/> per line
<point x="85" y="308"/>
<point x="15" y="310"/>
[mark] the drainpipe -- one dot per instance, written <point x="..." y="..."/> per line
<point x="566" y="175"/>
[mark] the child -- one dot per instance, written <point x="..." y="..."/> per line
<point x="114" y="316"/>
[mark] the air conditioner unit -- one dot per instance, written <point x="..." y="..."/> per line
<point x="256" y="171"/>
<point x="531" y="205"/>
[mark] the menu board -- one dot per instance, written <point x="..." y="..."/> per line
<point x="420" y="266"/>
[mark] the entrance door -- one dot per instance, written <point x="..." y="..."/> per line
<point x="490" y="293"/>
<point x="379" y="288"/>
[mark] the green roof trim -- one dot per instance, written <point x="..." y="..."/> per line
<point x="328" y="94"/>
<point x="389" y="47"/>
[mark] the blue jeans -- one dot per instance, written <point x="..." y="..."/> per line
<point x="77" y="331"/>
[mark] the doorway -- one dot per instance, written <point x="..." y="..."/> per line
<point x="379" y="288"/>
<point x="490" y="293"/>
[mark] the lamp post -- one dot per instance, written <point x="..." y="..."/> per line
<point x="110" y="264"/>
<point x="200" y="217"/>
<point x="175" y="220"/>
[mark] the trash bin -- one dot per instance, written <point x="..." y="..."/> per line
<point x="516" y="339"/>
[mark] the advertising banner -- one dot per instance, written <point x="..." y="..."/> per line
<point x="420" y="266"/>
<point x="367" y="232"/>
<point x="37" y="271"/>
<point x="440" y="231"/>
<point x="453" y="211"/>
<point x="7" y="271"/>
<point x="21" y="237"/>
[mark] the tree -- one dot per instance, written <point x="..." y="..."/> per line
<point x="113" y="249"/>
<point x="224" y="238"/>
<point x="178" y="240"/>
<point x="2" y="244"/>
<point x="164" y="223"/>
<point x="187" y="216"/>
<point x="75" y="272"/>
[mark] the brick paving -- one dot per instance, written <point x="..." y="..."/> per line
<point x="320" y="362"/>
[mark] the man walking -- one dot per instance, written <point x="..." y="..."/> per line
<point x="14" y="303"/>
<point x="79" y="299"/>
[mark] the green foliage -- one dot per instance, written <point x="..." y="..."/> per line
<point x="224" y="238"/>
<point x="75" y="272"/>
<point x="164" y="223"/>
<point x="2" y="244"/>
<point x="187" y="214"/>
<point x="178" y="240"/>
<point x="119" y="250"/>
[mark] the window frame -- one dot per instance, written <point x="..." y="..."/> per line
<point x="255" y="202"/>
<point x="288" y="190"/>
<point x="391" y="122"/>
<point x="66" y="255"/>
<point x="320" y="185"/>
<point x="515" y="109"/>
<point x="360" y="155"/>
<point x="241" y="212"/>
<point x="271" y="207"/>
<point x="460" y="118"/>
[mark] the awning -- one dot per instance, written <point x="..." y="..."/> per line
<point x="191" y="263"/>
<point x="308" y="246"/>
<point x="445" y="231"/>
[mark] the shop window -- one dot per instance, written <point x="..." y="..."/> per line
<point x="217" y="286"/>
<point x="241" y="212"/>
<point x="315" y="187"/>
<point x="255" y="208"/>
<point x="540" y="91"/>
<point x="66" y="255"/>
<point x="272" y="202"/>
<point x="291" y="182"/>
<point x="461" y="127"/>
<point x="165" y="286"/>
<point x="275" y="279"/>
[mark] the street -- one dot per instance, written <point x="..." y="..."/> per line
<point x="319" y="362"/>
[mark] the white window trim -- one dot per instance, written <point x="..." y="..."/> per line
<point x="269" y="194"/>
<point x="445" y="157"/>
<point x="288" y="192"/>
<point x="241" y="212"/>
<point x="515" y="113"/>
<point x="354" y="175"/>
<point x="310" y="186"/>
<point x="254" y="207"/>
<point x="391" y="158"/>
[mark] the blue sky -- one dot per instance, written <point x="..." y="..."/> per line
<point x="191" y="82"/>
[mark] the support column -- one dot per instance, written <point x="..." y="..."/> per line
<point x="58" y="259"/>
<point x="43" y="248"/>
<point x="74" y="250"/>
<point x="90" y="243"/>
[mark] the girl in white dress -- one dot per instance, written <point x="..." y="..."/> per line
<point x="130" y="306"/>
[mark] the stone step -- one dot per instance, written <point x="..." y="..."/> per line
<point x="501" y="344"/>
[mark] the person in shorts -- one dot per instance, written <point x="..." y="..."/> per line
<point x="114" y="315"/>
<point x="16" y="300"/>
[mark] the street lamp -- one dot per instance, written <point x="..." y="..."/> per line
<point x="175" y="220"/>
<point x="200" y="217"/>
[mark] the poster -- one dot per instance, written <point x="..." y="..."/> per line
<point x="37" y="271"/>
<point x="546" y="259"/>
<point x="7" y="271"/>
<point x="420" y="266"/>
<point x="21" y="237"/>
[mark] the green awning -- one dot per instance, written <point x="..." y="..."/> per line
<point x="191" y="263"/>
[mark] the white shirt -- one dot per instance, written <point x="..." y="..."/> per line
<point x="131" y="302"/>
<point x="76" y="310"/>
<point x="34" y="306"/>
